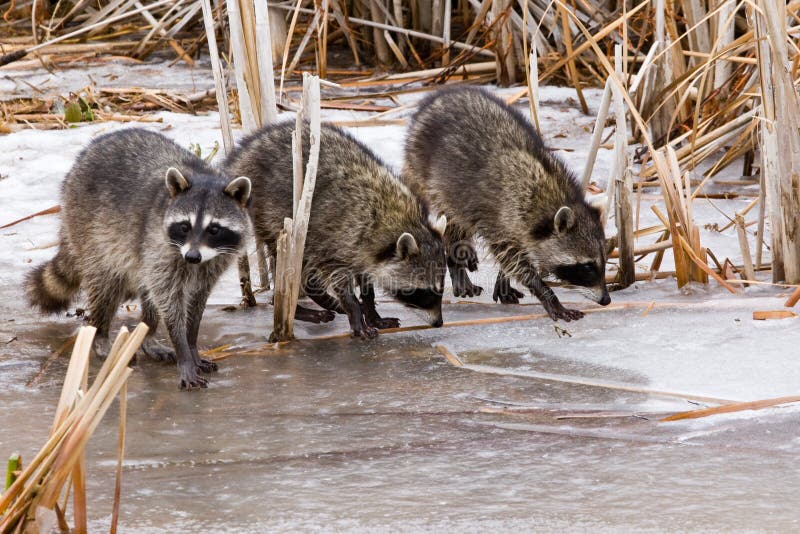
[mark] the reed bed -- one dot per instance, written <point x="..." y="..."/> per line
<point x="704" y="86"/>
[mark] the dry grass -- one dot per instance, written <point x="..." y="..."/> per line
<point x="32" y="501"/>
<point x="691" y="76"/>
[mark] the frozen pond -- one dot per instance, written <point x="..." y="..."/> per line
<point x="387" y="435"/>
<point x="350" y="435"/>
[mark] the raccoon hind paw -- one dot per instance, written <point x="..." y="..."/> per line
<point x="158" y="351"/>
<point x="382" y="323"/>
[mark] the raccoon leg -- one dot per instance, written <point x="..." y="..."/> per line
<point x="318" y="294"/>
<point x="503" y="291"/>
<point x="166" y="292"/>
<point x="176" y="324"/>
<point x="462" y="285"/>
<point x="550" y="301"/>
<point x="368" y="308"/>
<point x="460" y="257"/>
<point x="104" y="295"/>
<point x="194" y="314"/>
<point x="358" y="322"/>
<point x="151" y="347"/>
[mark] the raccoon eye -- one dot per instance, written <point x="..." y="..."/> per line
<point x="213" y="229"/>
<point x="185" y="227"/>
<point x="588" y="267"/>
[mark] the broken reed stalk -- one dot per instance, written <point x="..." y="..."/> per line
<point x="731" y="408"/>
<point x="251" y="47"/>
<point x="291" y="242"/>
<point x="747" y="260"/>
<point x="49" y="211"/>
<point x="620" y="188"/>
<point x="533" y="87"/>
<point x="793" y="298"/>
<point x="219" y="78"/>
<point x="29" y="504"/>
<point x="123" y="417"/>
<point x="780" y="138"/>
<point x="676" y="193"/>
<point x="457" y="361"/>
<point x="597" y="135"/>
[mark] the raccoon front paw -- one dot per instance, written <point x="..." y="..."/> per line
<point x="564" y="313"/>
<point x="190" y="380"/>
<point x="462" y="287"/>
<point x="207" y="366"/>
<point x="505" y="294"/>
<point x="382" y="323"/>
<point x="157" y="351"/>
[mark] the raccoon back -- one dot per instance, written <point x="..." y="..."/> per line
<point x="467" y="148"/>
<point x="359" y="207"/>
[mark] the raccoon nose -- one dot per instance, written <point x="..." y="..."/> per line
<point x="193" y="256"/>
<point x="437" y="323"/>
<point x="605" y="300"/>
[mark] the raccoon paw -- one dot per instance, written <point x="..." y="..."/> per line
<point x="190" y="380"/>
<point x="157" y="351"/>
<point x="462" y="287"/>
<point x="314" y="316"/>
<point x="207" y="366"/>
<point x="505" y="294"/>
<point x="382" y="323"/>
<point x="101" y="347"/>
<point x="366" y="332"/>
<point x="565" y="313"/>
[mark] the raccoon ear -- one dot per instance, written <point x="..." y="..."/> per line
<point x="176" y="182"/>
<point x="564" y="220"/>
<point x="239" y="190"/>
<point x="407" y="246"/>
<point x="440" y="224"/>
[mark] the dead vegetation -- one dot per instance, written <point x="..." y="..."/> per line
<point x="36" y="498"/>
<point x="702" y="86"/>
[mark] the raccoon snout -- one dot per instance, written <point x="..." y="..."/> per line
<point x="438" y="322"/>
<point x="193" y="256"/>
<point x="605" y="298"/>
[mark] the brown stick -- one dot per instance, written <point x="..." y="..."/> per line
<point x="737" y="407"/>
<point x="793" y="299"/>
<point x="450" y="355"/>
<point x="773" y="314"/>
<point x="123" y="410"/>
<point x="48" y="211"/>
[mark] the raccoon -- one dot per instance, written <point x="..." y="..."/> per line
<point x="366" y="228"/>
<point x="483" y="165"/>
<point x="144" y="217"/>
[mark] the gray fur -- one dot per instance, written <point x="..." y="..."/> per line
<point x="365" y="228"/>
<point x="124" y="203"/>
<point x="483" y="165"/>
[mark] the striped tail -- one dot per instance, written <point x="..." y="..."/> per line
<point x="51" y="286"/>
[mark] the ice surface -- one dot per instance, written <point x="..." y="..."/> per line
<point x="385" y="435"/>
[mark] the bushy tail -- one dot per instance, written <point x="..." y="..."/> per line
<point x="51" y="286"/>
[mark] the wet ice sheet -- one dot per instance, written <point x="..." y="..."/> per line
<point x="347" y="435"/>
